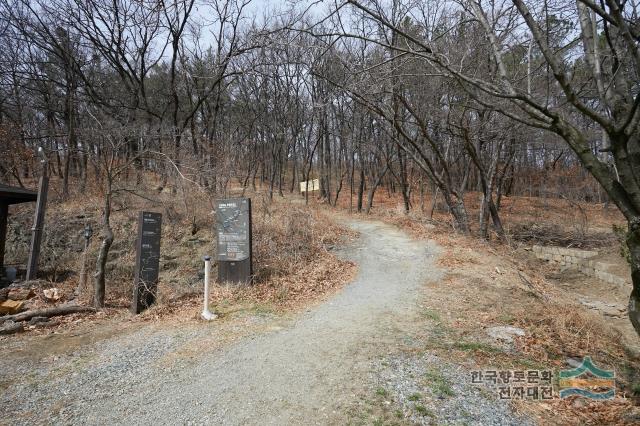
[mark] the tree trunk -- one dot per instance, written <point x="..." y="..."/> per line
<point x="497" y="222"/>
<point x="484" y="216"/>
<point x="434" y="201"/>
<point x="101" y="263"/>
<point x="68" y="158"/>
<point x="360" y="189"/>
<point x="373" y="187"/>
<point x="370" y="195"/>
<point x="83" y="168"/>
<point x="633" y="242"/>
<point x="404" y="180"/>
<point x="458" y="212"/>
<point x="421" y="195"/>
<point x="47" y="312"/>
<point x="294" y="169"/>
<point x="338" y="189"/>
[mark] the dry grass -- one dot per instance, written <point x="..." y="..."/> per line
<point x="489" y="285"/>
<point x="484" y="289"/>
<point x="590" y="223"/>
<point x="559" y="330"/>
<point x="293" y="263"/>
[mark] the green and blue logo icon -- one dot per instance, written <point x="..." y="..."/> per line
<point x="587" y="380"/>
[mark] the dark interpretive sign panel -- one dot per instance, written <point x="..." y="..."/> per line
<point x="233" y="226"/>
<point x="147" y="261"/>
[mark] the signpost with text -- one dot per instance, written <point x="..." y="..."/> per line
<point x="147" y="261"/>
<point x="233" y="226"/>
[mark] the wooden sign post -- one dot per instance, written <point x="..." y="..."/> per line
<point x="145" y="283"/>
<point x="233" y="226"/>
<point x="38" y="224"/>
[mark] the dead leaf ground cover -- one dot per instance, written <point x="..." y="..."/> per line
<point x="491" y="284"/>
<point x="293" y="262"/>
<point x="530" y="220"/>
<point x="487" y="284"/>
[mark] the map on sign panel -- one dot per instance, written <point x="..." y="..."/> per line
<point x="232" y="225"/>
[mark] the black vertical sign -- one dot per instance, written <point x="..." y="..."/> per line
<point x="233" y="227"/>
<point x="147" y="261"/>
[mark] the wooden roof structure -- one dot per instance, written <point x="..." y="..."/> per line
<point x="15" y="195"/>
<point x="10" y="195"/>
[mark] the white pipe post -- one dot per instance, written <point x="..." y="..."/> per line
<point x="206" y="314"/>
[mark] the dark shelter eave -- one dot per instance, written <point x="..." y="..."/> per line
<point x="15" y="195"/>
<point x="10" y="195"/>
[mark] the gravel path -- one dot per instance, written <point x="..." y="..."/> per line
<point x="307" y="370"/>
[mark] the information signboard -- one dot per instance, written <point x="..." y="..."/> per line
<point x="147" y="261"/>
<point x="233" y="229"/>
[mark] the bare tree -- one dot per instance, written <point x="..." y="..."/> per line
<point x="605" y="95"/>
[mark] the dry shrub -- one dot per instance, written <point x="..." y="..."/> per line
<point x="289" y="236"/>
<point x="309" y="283"/>
<point x="576" y="219"/>
<point x="581" y="411"/>
<point x="292" y="259"/>
<point x="559" y="330"/>
<point x="555" y="235"/>
<point x="292" y="262"/>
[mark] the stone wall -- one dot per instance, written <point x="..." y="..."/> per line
<point x="581" y="260"/>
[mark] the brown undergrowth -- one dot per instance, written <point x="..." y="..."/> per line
<point x="492" y="284"/>
<point x="527" y="220"/>
<point x="487" y="287"/>
<point x="293" y="261"/>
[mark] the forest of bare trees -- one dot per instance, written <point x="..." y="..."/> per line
<point x="534" y="98"/>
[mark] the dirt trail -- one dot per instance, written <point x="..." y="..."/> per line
<point x="305" y="370"/>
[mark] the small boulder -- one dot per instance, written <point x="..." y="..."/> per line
<point x="36" y="320"/>
<point x="18" y="294"/>
<point x="505" y="332"/>
<point x="51" y="294"/>
<point x="10" y="327"/>
<point x="607" y="309"/>
<point x="573" y="362"/>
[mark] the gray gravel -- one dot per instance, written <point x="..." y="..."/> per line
<point x="307" y="370"/>
<point x="443" y="389"/>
